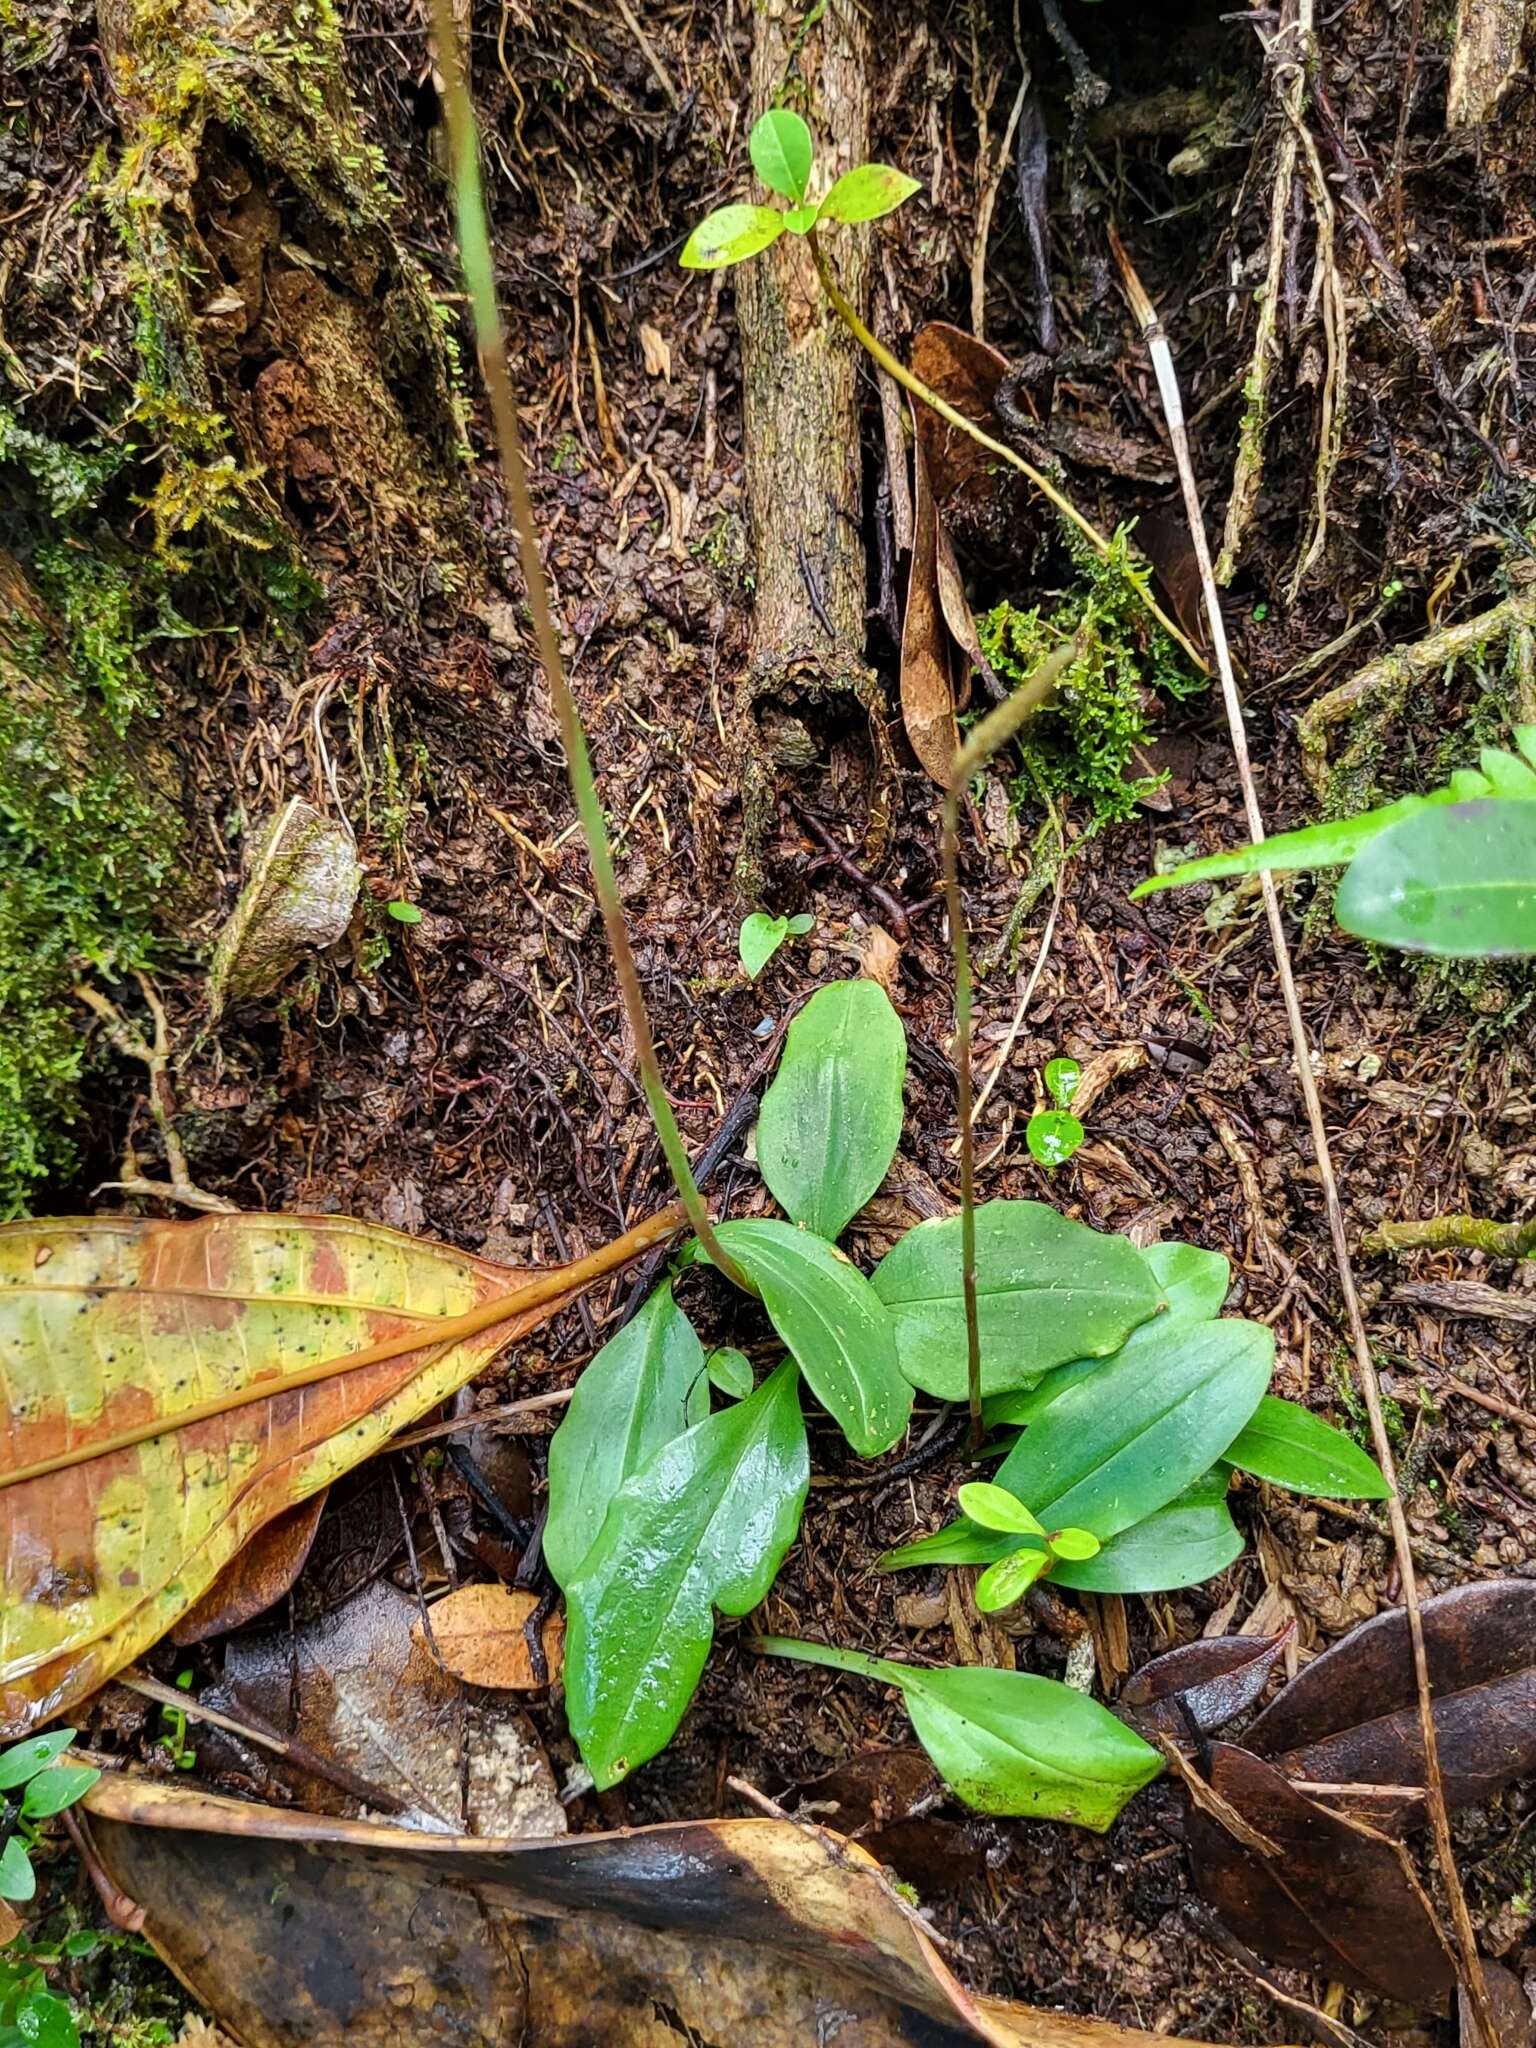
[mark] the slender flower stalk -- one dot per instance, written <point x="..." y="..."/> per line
<point x="480" y="277"/>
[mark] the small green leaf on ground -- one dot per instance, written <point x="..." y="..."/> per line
<point x="403" y="912"/>
<point x="24" y="1760"/>
<point x="1049" y="1290"/>
<point x="1062" y="1078"/>
<point x="833" y="1322"/>
<point x="731" y="1371"/>
<point x="780" y="148"/>
<point x="704" y="1525"/>
<point x="1291" y="1447"/>
<point x="17" y="1878"/>
<point x="831" y="1120"/>
<point x="868" y="192"/>
<point x="759" y="939"/>
<point x="731" y="235"/>
<point x="57" y="1787"/>
<point x="629" y="1402"/>
<point x="1052" y="1136"/>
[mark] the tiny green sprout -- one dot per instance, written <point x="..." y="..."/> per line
<point x="1053" y="1135"/>
<point x="761" y="936"/>
<point x="403" y="912"/>
<point x="1001" y="1584"/>
<point x="782" y="154"/>
<point x="32" y="1770"/>
<point x="1260" y="613"/>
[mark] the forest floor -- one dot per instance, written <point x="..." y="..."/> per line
<point x="467" y="1076"/>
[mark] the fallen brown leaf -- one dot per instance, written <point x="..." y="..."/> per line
<point x="927" y="689"/>
<point x="257" y="1577"/>
<point x="478" y="1635"/>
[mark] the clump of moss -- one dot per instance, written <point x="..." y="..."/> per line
<point x="1082" y="743"/>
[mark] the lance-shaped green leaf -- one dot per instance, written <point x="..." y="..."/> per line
<point x="1291" y="1447"/>
<point x="867" y="192"/>
<point x="1184" y="1543"/>
<point x="1007" y="1742"/>
<point x="780" y="148"/>
<point x="1329" y="845"/>
<point x="1119" y="1444"/>
<point x="833" y="1322"/>
<point x="730" y="235"/>
<point x="1458" y="882"/>
<point x="703" y="1526"/>
<point x="831" y="1121"/>
<point x="1048" y="1290"/>
<point x="631" y="1400"/>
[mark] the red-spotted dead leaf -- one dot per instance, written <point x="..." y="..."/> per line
<point x="1334" y="1895"/>
<point x="1351" y="1716"/>
<point x="927" y="683"/>
<point x="1205" y="1683"/>
<point x="137" y="1358"/>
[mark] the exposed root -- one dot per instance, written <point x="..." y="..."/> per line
<point x="1455" y="1233"/>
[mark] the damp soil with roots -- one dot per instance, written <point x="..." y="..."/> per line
<point x="342" y="620"/>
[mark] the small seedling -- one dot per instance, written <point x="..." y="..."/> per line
<point x="403" y="912"/>
<point x="761" y="936"/>
<point x="1053" y="1135"/>
<point x="174" y="1741"/>
<point x="782" y="154"/>
<point x="1001" y="1584"/>
<point x="46" y="1786"/>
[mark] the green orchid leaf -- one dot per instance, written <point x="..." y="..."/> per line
<point x="1007" y="1742"/>
<point x="993" y="1507"/>
<point x="631" y="1400"/>
<point x="1074" y="1546"/>
<point x="1052" y="1136"/>
<point x="961" y="1541"/>
<point x="698" y="1404"/>
<point x="781" y="151"/>
<point x="24" y="1760"/>
<point x="57" y="1787"/>
<point x="831" y="1120"/>
<point x="1329" y="845"/>
<point x="1291" y="1447"/>
<point x="1458" y="882"/>
<point x="18" y="1880"/>
<point x="703" y="1526"/>
<point x="1006" y="1582"/>
<point x="759" y="939"/>
<point x="867" y="193"/>
<point x="1062" y="1078"/>
<point x="1185" y="1543"/>
<point x="1122" y="1442"/>
<point x="1506" y="774"/>
<point x="731" y="1371"/>
<point x="1049" y="1290"/>
<point x="731" y="235"/>
<point x="834" y="1323"/>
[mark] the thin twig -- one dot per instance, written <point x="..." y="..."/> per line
<point x="895" y="367"/>
<point x="1173" y="406"/>
<point x="480" y="276"/>
<point x="1027" y="997"/>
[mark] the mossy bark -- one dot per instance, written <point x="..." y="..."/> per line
<point x="801" y="424"/>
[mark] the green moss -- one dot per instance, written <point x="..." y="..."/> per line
<point x="1083" y="741"/>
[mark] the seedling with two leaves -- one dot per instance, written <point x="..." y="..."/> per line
<point x="761" y="936"/>
<point x="1053" y="1135"/>
<point x="46" y="1786"/>
<point x="1003" y="1583"/>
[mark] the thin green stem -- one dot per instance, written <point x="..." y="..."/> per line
<point x="854" y="1661"/>
<point x="480" y="277"/>
<point x="992" y="732"/>
<point x="895" y="367"/>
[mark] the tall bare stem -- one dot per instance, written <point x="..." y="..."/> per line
<point x="480" y="277"/>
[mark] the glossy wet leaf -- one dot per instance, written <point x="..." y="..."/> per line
<point x="1291" y="1447"/>
<point x="759" y="939"/>
<point x="1052" y="1136"/>
<point x="993" y="1507"/>
<point x="834" y="1323"/>
<point x="1122" y="1442"/>
<point x="1007" y="1742"/>
<point x="1049" y="1290"/>
<point x="1074" y="1546"/>
<point x="41" y="2020"/>
<point x="1457" y="881"/>
<point x="1002" y="1584"/>
<point x="1062" y="1077"/>
<point x="1334" y="1896"/>
<point x="831" y="1118"/>
<point x="730" y="235"/>
<point x="114" y="1325"/>
<point x="1204" y="1684"/>
<point x="731" y="1371"/>
<point x="629" y="1401"/>
<point x="24" y="1760"/>
<point x="703" y="1526"/>
<point x="867" y="192"/>
<point x="780" y="148"/>
<point x="57" y="1787"/>
<point x="1185" y="1543"/>
<point x="18" y="1881"/>
<point x="1351" y="1715"/>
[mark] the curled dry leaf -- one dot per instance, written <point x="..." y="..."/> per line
<point x="302" y="879"/>
<point x="257" y="1577"/>
<point x="979" y="501"/>
<point x="479" y="1635"/>
<point x="137" y="1358"/>
<point x="1207" y="1683"/>
<point x="767" y="1931"/>
<point x="1335" y="1895"/>
<point x="927" y="685"/>
<point x="1352" y="1717"/>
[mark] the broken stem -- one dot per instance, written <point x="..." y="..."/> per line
<point x="480" y="277"/>
<point x="895" y="367"/>
<point x="1471" y="1969"/>
<point x="993" y="731"/>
